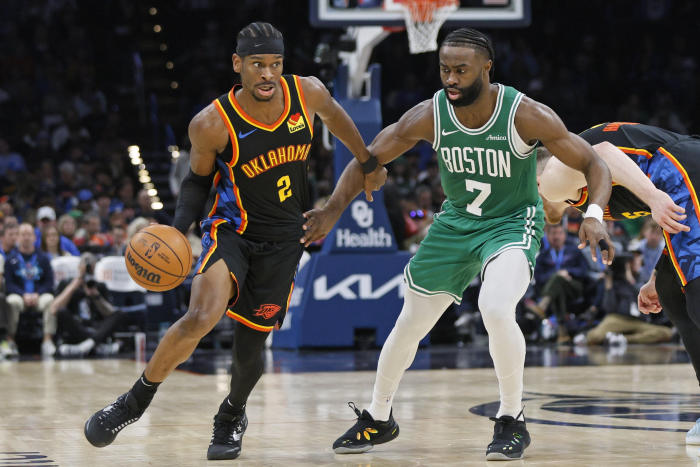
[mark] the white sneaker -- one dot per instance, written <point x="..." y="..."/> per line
<point x="614" y="338"/>
<point x="8" y="349"/>
<point x="580" y="339"/>
<point x="693" y="435"/>
<point x="47" y="348"/>
<point x="108" y="349"/>
<point x="76" y="350"/>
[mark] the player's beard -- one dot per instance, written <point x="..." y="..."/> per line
<point x="468" y="94"/>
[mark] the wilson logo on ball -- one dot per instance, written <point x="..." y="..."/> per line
<point x="141" y="271"/>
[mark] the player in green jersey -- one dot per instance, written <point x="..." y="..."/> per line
<point x="491" y="224"/>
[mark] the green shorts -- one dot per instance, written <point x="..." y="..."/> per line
<point x="457" y="248"/>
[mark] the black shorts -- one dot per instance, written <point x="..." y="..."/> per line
<point x="263" y="272"/>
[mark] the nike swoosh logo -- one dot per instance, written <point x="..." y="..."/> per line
<point x="447" y="133"/>
<point x="243" y="135"/>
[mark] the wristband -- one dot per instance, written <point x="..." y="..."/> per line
<point x="595" y="212"/>
<point x="369" y="165"/>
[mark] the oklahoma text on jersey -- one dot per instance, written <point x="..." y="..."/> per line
<point x="275" y="157"/>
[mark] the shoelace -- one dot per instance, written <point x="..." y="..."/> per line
<point x="118" y="408"/>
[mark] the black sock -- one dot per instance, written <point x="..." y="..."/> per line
<point x="144" y="390"/>
<point x="227" y="408"/>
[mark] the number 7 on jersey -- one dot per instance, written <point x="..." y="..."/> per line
<point x="485" y="190"/>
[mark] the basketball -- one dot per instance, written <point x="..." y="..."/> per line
<point x="158" y="257"/>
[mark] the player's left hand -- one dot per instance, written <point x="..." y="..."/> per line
<point x="318" y="223"/>
<point x="592" y="231"/>
<point x="666" y="213"/>
<point x="374" y="181"/>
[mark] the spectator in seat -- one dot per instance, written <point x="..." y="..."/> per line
<point x="8" y="239"/>
<point x="86" y="318"/>
<point x="623" y="322"/>
<point x="46" y="217"/>
<point x="559" y="278"/>
<point x="145" y="209"/>
<point x="67" y="226"/>
<point x="29" y="284"/>
<point x="51" y="244"/>
<point x="91" y="238"/>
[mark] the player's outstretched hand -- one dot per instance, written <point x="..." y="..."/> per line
<point x="666" y="213"/>
<point x="648" y="299"/>
<point x="318" y="223"/>
<point x="593" y="232"/>
<point x="374" y="181"/>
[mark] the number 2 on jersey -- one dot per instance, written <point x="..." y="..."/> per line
<point x="284" y="184"/>
<point x="485" y="190"/>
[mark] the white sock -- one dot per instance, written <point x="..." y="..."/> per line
<point x="418" y="316"/>
<point x="505" y="281"/>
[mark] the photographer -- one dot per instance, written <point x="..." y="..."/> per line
<point x="623" y="322"/>
<point x="85" y="316"/>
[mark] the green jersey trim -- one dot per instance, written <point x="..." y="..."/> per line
<point x="488" y="124"/>
<point x="513" y="136"/>
<point x="426" y="292"/>
<point x="436" y="120"/>
<point x="525" y="244"/>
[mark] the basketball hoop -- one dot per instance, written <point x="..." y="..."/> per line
<point x="423" y="20"/>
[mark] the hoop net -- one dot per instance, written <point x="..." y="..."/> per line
<point x="423" y="21"/>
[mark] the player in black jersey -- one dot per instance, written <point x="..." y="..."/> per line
<point x="654" y="172"/>
<point x="252" y="143"/>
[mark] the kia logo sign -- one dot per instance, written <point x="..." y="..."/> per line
<point x="364" y="289"/>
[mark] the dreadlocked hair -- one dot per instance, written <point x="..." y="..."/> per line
<point x="471" y="38"/>
<point x="259" y="30"/>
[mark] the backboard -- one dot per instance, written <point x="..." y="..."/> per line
<point x="476" y="13"/>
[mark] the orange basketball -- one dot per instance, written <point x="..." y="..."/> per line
<point x="158" y="257"/>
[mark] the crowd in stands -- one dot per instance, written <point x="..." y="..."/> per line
<point x="67" y="87"/>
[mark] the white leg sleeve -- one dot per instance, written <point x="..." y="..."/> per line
<point x="505" y="281"/>
<point x="418" y="316"/>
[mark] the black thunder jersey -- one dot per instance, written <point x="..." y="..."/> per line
<point x="635" y="140"/>
<point x="261" y="184"/>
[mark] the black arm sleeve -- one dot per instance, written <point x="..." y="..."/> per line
<point x="193" y="194"/>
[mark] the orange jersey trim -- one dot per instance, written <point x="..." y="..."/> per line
<point x="289" y="297"/>
<point x="672" y="255"/>
<point x="686" y="179"/>
<point x="263" y="126"/>
<point x="214" y="228"/>
<point x="635" y="151"/>
<point x="300" y="93"/>
<point x="582" y="199"/>
<point x="248" y="323"/>
<point x="231" y="132"/>
<point x="238" y="289"/>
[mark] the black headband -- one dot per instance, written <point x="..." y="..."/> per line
<point x="259" y="45"/>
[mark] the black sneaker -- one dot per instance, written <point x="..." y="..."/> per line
<point x="510" y="438"/>
<point x="105" y="424"/>
<point x="365" y="433"/>
<point x="228" y="436"/>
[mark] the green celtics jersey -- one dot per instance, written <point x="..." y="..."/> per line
<point x="486" y="172"/>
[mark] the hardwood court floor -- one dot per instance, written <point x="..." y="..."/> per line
<point x="594" y="415"/>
